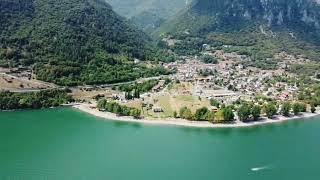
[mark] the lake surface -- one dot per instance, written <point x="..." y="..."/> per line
<point x="65" y="144"/>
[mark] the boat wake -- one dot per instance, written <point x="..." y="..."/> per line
<point x="260" y="168"/>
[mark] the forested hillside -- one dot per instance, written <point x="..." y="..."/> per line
<point x="252" y="27"/>
<point x="73" y="42"/>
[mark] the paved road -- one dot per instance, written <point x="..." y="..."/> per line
<point x="130" y="82"/>
<point x="20" y="90"/>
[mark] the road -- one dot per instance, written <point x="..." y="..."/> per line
<point x="130" y="82"/>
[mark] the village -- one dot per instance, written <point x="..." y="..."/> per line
<point x="196" y="84"/>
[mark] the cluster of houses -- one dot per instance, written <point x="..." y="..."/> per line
<point x="188" y="69"/>
<point x="231" y="80"/>
<point x="228" y="81"/>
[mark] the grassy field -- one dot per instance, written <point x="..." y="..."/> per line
<point x="164" y="103"/>
<point x="187" y="98"/>
<point x="135" y="104"/>
<point x="16" y="83"/>
<point x="180" y="96"/>
<point x="176" y="97"/>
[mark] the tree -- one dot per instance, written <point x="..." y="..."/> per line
<point x="228" y="114"/>
<point x="45" y="98"/>
<point x="136" y="113"/>
<point x="296" y="108"/>
<point x="270" y="110"/>
<point x="175" y="114"/>
<point x="186" y="113"/>
<point x="109" y="106"/>
<point x="301" y="95"/>
<point x="136" y="93"/>
<point x="256" y="112"/>
<point x="102" y="104"/>
<point x="285" y="109"/>
<point x="215" y="103"/>
<point x="219" y="116"/>
<point x="201" y="114"/>
<point x="128" y="95"/>
<point x="303" y="107"/>
<point x="244" y="112"/>
<point x="209" y="59"/>
<point x="117" y="109"/>
<point x="299" y="107"/>
<point x="121" y="110"/>
<point x="210" y="116"/>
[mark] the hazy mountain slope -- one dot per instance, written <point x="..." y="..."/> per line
<point x="164" y="8"/>
<point x="65" y="39"/>
<point x="226" y="15"/>
<point x="148" y="14"/>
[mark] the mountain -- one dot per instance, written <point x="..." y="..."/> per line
<point x="268" y="25"/>
<point x="131" y="8"/>
<point x="224" y="15"/>
<point x="147" y="21"/>
<point x="148" y="14"/>
<point x="71" y="42"/>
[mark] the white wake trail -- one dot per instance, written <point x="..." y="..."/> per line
<point x="260" y="168"/>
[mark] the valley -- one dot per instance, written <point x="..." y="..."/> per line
<point x="159" y="89"/>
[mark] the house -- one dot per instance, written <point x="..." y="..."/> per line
<point x="157" y="109"/>
<point x="159" y="86"/>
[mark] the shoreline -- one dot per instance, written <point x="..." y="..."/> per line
<point x="186" y="123"/>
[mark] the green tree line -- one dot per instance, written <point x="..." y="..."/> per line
<point x="34" y="100"/>
<point x="225" y="114"/>
<point x="116" y="108"/>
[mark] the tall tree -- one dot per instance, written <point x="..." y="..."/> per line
<point x="285" y="109"/>
<point x="270" y="110"/>
<point x="201" y="114"/>
<point x="228" y="114"/>
<point x="244" y="112"/>
<point x="256" y="112"/>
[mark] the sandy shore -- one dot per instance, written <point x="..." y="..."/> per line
<point x="180" y="122"/>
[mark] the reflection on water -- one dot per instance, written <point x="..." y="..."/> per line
<point x="126" y="124"/>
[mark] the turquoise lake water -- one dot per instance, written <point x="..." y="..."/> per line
<point x="65" y="144"/>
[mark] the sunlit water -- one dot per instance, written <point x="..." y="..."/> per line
<point x="65" y="144"/>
